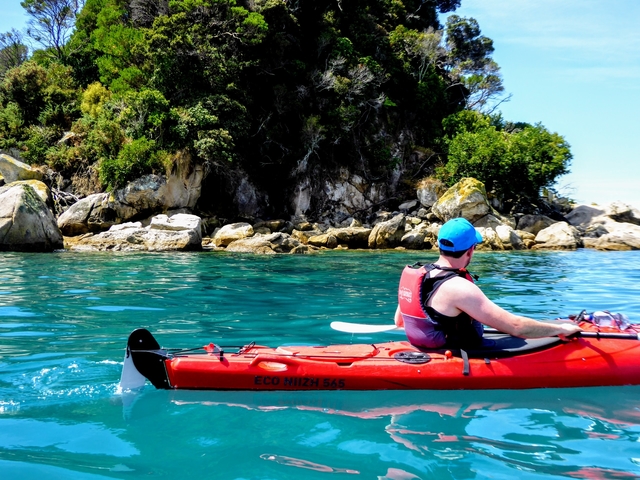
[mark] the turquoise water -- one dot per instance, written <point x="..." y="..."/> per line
<point x="65" y="318"/>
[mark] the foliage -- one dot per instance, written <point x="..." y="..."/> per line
<point x="24" y="86"/>
<point x="93" y="99"/>
<point x="278" y="89"/>
<point x="37" y="105"/>
<point x="135" y="159"/>
<point x="470" y="64"/>
<point x="511" y="164"/>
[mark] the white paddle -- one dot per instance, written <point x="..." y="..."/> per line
<point x="364" y="328"/>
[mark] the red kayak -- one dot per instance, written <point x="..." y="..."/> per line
<point x="599" y="356"/>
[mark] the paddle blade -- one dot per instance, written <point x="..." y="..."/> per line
<point x="363" y="327"/>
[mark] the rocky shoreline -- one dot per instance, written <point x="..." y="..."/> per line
<point x="33" y="218"/>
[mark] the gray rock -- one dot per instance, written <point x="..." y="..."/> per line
<point x="583" y="215"/>
<point x="323" y="240"/>
<point x="559" y="236"/>
<point x="534" y="223"/>
<point x="95" y="213"/>
<point x="419" y="238"/>
<point x="509" y="238"/>
<point x="407" y="206"/>
<point x="490" y="239"/>
<point x="388" y="234"/>
<point x="622" y="236"/>
<point x="623" y="213"/>
<point x="13" y="170"/>
<point x="232" y="232"/>
<point x="26" y="223"/>
<point x="278" y="242"/>
<point x="467" y="198"/>
<point x="429" y="191"/>
<point x="165" y="235"/>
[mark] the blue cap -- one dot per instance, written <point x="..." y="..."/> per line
<point x="458" y="235"/>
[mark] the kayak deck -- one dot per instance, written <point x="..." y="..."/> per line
<point x="582" y="362"/>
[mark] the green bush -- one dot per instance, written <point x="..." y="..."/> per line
<point x="509" y="164"/>
<point x="93" y="99"/>
<point x="145" y="114"/>
<point x="136" y="158"/>
<point x="37" y="143"/>
<point x="24" y="86"/>
<point x="10" y="122"/>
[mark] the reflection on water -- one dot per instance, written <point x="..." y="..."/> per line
<point x="65" y="318"/>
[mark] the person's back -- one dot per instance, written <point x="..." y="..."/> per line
<point x="426" y="324"/>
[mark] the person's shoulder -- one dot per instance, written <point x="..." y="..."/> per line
<point x="460" y="283"/>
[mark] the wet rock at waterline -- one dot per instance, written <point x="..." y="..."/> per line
<point x="26" y="222"/>
<point x="164" y="233"/>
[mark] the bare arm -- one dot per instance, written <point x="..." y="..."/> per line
<point x="467" y="297"/>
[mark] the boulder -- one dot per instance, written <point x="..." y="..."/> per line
<point x="428" y="191"/>
<point x="303" y="249"/>
<point x="534" y="223"/>
<point x="528" y="239"/>
<point x="387" y="234"/>
<point x="13" y="170"/>
<point x="353" y="237"/>
<point x="257" y="244"/>
<point x="620" y="236"/>
<point x="490" y="239"/>
<point x="157" y="193"/>
<point x="274" y="225"/>
<point x="95" y="213"/>
<point x="326" y="240"/>
<point x="621" y="212"/>
<point x="559" y="236"/>
<point x="492" y="220"/>
<point x="232" y="232"/>
<point x="278" y="242"/>
<point x="408" y="206"/>
<point x="303" y="236"/>
<point x="26" y="223"/>
<point x="509" y="238"/>
<point x="39" y="187"/>
<point x="467" y="198"/>
<point x="162" y="234"/>
<point x="421" y="237"/>
<point x="147" y="195"/>
<point x="177" y="222"/>
<point x="583" y="215"/>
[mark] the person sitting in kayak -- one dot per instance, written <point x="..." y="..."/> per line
<point x="439" y="305"/>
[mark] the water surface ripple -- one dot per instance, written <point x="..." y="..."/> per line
<point x="65" y="318"/>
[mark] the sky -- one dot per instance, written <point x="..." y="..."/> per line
<point x="572" y="65"/>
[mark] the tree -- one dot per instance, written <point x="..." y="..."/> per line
<point x="470" y="64"/>
<point x="52" y="22"/>
<point x="13" y="52"/>
<point x="422" y="48"/>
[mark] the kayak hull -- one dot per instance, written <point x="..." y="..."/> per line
<point x="582" y="362"/>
